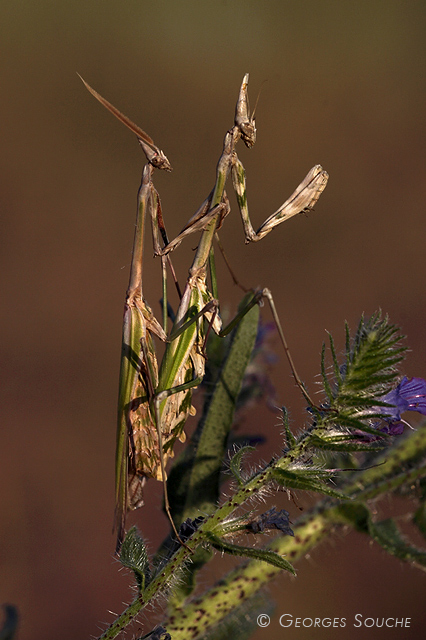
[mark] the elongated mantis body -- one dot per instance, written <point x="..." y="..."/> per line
<point x="142" y="445"/>
<point x="154" y="402"/>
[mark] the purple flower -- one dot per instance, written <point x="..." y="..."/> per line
<point x="409" y="395"/>
<point x="272" y="519"/>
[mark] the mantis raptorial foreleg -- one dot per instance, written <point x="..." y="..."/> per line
<point x="198" y="222"/>
<point x="302" y="200"/>
<point x="304" y="197"/>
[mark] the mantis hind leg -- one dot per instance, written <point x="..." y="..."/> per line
<point x="256" y="297"/>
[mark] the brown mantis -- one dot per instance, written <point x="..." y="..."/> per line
<point x="154" y="402"/>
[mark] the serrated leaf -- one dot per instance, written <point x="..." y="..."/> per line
<point x="133" y="556"/>
<point x="370" y="363"/>
<point x="250" y="552"/>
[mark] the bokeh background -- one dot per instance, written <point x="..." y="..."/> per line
<point x="345" y="86"/>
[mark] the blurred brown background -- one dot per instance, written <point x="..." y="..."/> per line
<point x="346" y="88"/>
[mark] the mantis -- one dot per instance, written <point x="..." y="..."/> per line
<point x="155" y="400"/>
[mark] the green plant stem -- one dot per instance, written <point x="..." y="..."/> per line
<point x="243" y="582"/>
<point x="309" y="531"/>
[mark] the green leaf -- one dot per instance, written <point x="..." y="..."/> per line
<point x="344" y="443"/>
<point x="235" y="463"/>
<point x="396" y="469"/>
<point x="289" y="437"/>
<point x="250" y="552"/>
<point x="133" y="555"/>
<point x="193" y="483"/>
<point x="387" y="534"/>
<point x="336" y="366"/>
<point x="232" y="525"/>
<point x="300" y="480"/>
<point x="194" y="480"/>
<point x="369" y="370"/>
<point x="316" y="472"/>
